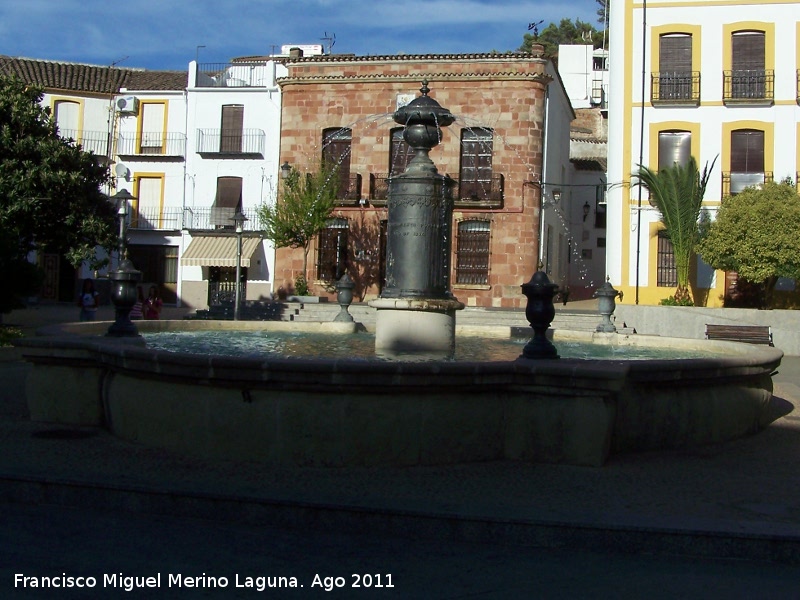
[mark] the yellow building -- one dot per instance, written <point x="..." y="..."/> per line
<point x="708" y="78"/>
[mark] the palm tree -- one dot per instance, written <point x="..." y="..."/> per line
<point x="677" y="193"/>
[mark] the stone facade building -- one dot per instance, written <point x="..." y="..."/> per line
<point x="507" y="150"/>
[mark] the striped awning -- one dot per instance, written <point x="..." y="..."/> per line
<point x="218" y="251"/>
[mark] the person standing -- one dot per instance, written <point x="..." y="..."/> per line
<point x="137" y="311"/>
<point x="153" y="304"/>
<point x="88" y="300"/>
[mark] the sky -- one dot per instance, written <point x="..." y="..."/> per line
<point x="168" y="34"/>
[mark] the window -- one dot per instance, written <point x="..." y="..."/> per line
<point x="227" y="201"/>
<point x="332" y="250"/>
<point x="600" y="207"/>
<point x="67" y="114"/>
<point x="151" y="138"/>
<point x="666" y="272"/>
<point x="748" y="75"/>
<point x="675" y="67"/>
<point x="336" y="148"/>
<point x="230" y="139"/>
<point x="747" y="159"/>
<point x="159" y="265"/>
<point x="475" y="177"/>
<point x="674" y="147"/>
<point x="472" y="253"/>
<point x="400" y="153"/>
<point x="147" y="206"/>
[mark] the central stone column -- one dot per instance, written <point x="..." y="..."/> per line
<point x="416" y="310"/>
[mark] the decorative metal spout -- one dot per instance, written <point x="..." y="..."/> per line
<point x="539" y="312"/>
<point x="606" y="294"/>
<point x="344" y="295"/>
<point x="123" y="293"/>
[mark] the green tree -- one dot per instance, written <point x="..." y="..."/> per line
<point x="603" y="12"/>
<point x="303" y="210"/>
<point x="50" y="191"/>
<point x="677" y="193"/>
<point x="757" y="234"/>
<point x="566" y="32"/>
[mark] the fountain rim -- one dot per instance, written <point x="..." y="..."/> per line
<point x="83" y="339"/>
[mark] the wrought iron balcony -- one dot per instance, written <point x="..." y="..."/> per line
<point x="212" y="218"/>
<point x="481" y="194"/>
<point x="239" y="74"/>
<point x="472" y="194"/>
<point x="378" y="188"/>
<point x="231" y="142"/>
<point x="349" y="189"/>
<point x="798" y="86"/>
<point x="153" y="218"/>
<point x="734" y="183"/>
<point x="151" y="144"/>
<point x="675" y="88"/>
<point x="90" y="141"/>
<point x="751" y="86"/>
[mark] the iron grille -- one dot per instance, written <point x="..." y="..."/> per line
<point x="472" y="253"/>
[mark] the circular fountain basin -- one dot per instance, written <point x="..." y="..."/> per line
<point x="338" y="412"/>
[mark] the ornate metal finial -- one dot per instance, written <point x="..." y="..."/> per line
<point x="424" y="89"/>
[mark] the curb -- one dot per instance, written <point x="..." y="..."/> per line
<point x="445" y="527"/>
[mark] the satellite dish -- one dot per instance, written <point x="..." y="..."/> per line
<point x="121" y="170"/>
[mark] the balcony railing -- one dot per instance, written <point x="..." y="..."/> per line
<point x="481" y="194"/>
<point x="255" y="74"/>
<point x="378" y="188"/>
<point x="90" y="141"/>
<point x="734" y="183"/>
<point x="798" y="86"/>
<point x="153" y="218"/>
<point x="473" y="194"/>
<point x="151" y="144"/>
<point x="231" y="142"/>
<point x="675" y="88"/>
<point x="748" y="86"/>
<point x="349" y="189"/>
<point x="217" y="219"/>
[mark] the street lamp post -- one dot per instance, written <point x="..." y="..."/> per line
<point x="125" y="278"/>
<point x="238" y="220"/>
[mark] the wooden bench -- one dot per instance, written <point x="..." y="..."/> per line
<point x="751" y="334"/>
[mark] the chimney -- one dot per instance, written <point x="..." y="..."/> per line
<point x="295" y="52"/>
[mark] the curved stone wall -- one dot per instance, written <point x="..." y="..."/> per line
<point x="349" y="412"/>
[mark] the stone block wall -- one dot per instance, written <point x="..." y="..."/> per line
<point x="500" y="92"/>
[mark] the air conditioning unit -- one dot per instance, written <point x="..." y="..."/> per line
<point x="128" y="105"/>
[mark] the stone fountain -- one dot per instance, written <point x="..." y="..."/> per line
<point x="340" y="412"/>
<point x="416" y="311"/>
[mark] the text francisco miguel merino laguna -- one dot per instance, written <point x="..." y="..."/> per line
<point x="178" y="580"/>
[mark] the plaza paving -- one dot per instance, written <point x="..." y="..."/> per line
<point x="738" y="500"/>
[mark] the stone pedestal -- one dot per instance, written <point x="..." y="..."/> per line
<point x="424" y="328"/>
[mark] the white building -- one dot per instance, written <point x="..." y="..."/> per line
<point x="233" y="129"/>
<point x="583" y="71"/>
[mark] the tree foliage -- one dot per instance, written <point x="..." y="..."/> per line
<point x="757" y="234"/>
<point x="303" y="210"/>
<point x="50" y="190"/>
<point x="677" y="193"/>
<point x="603" y="12"/>
<point x="566" y="32"/>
